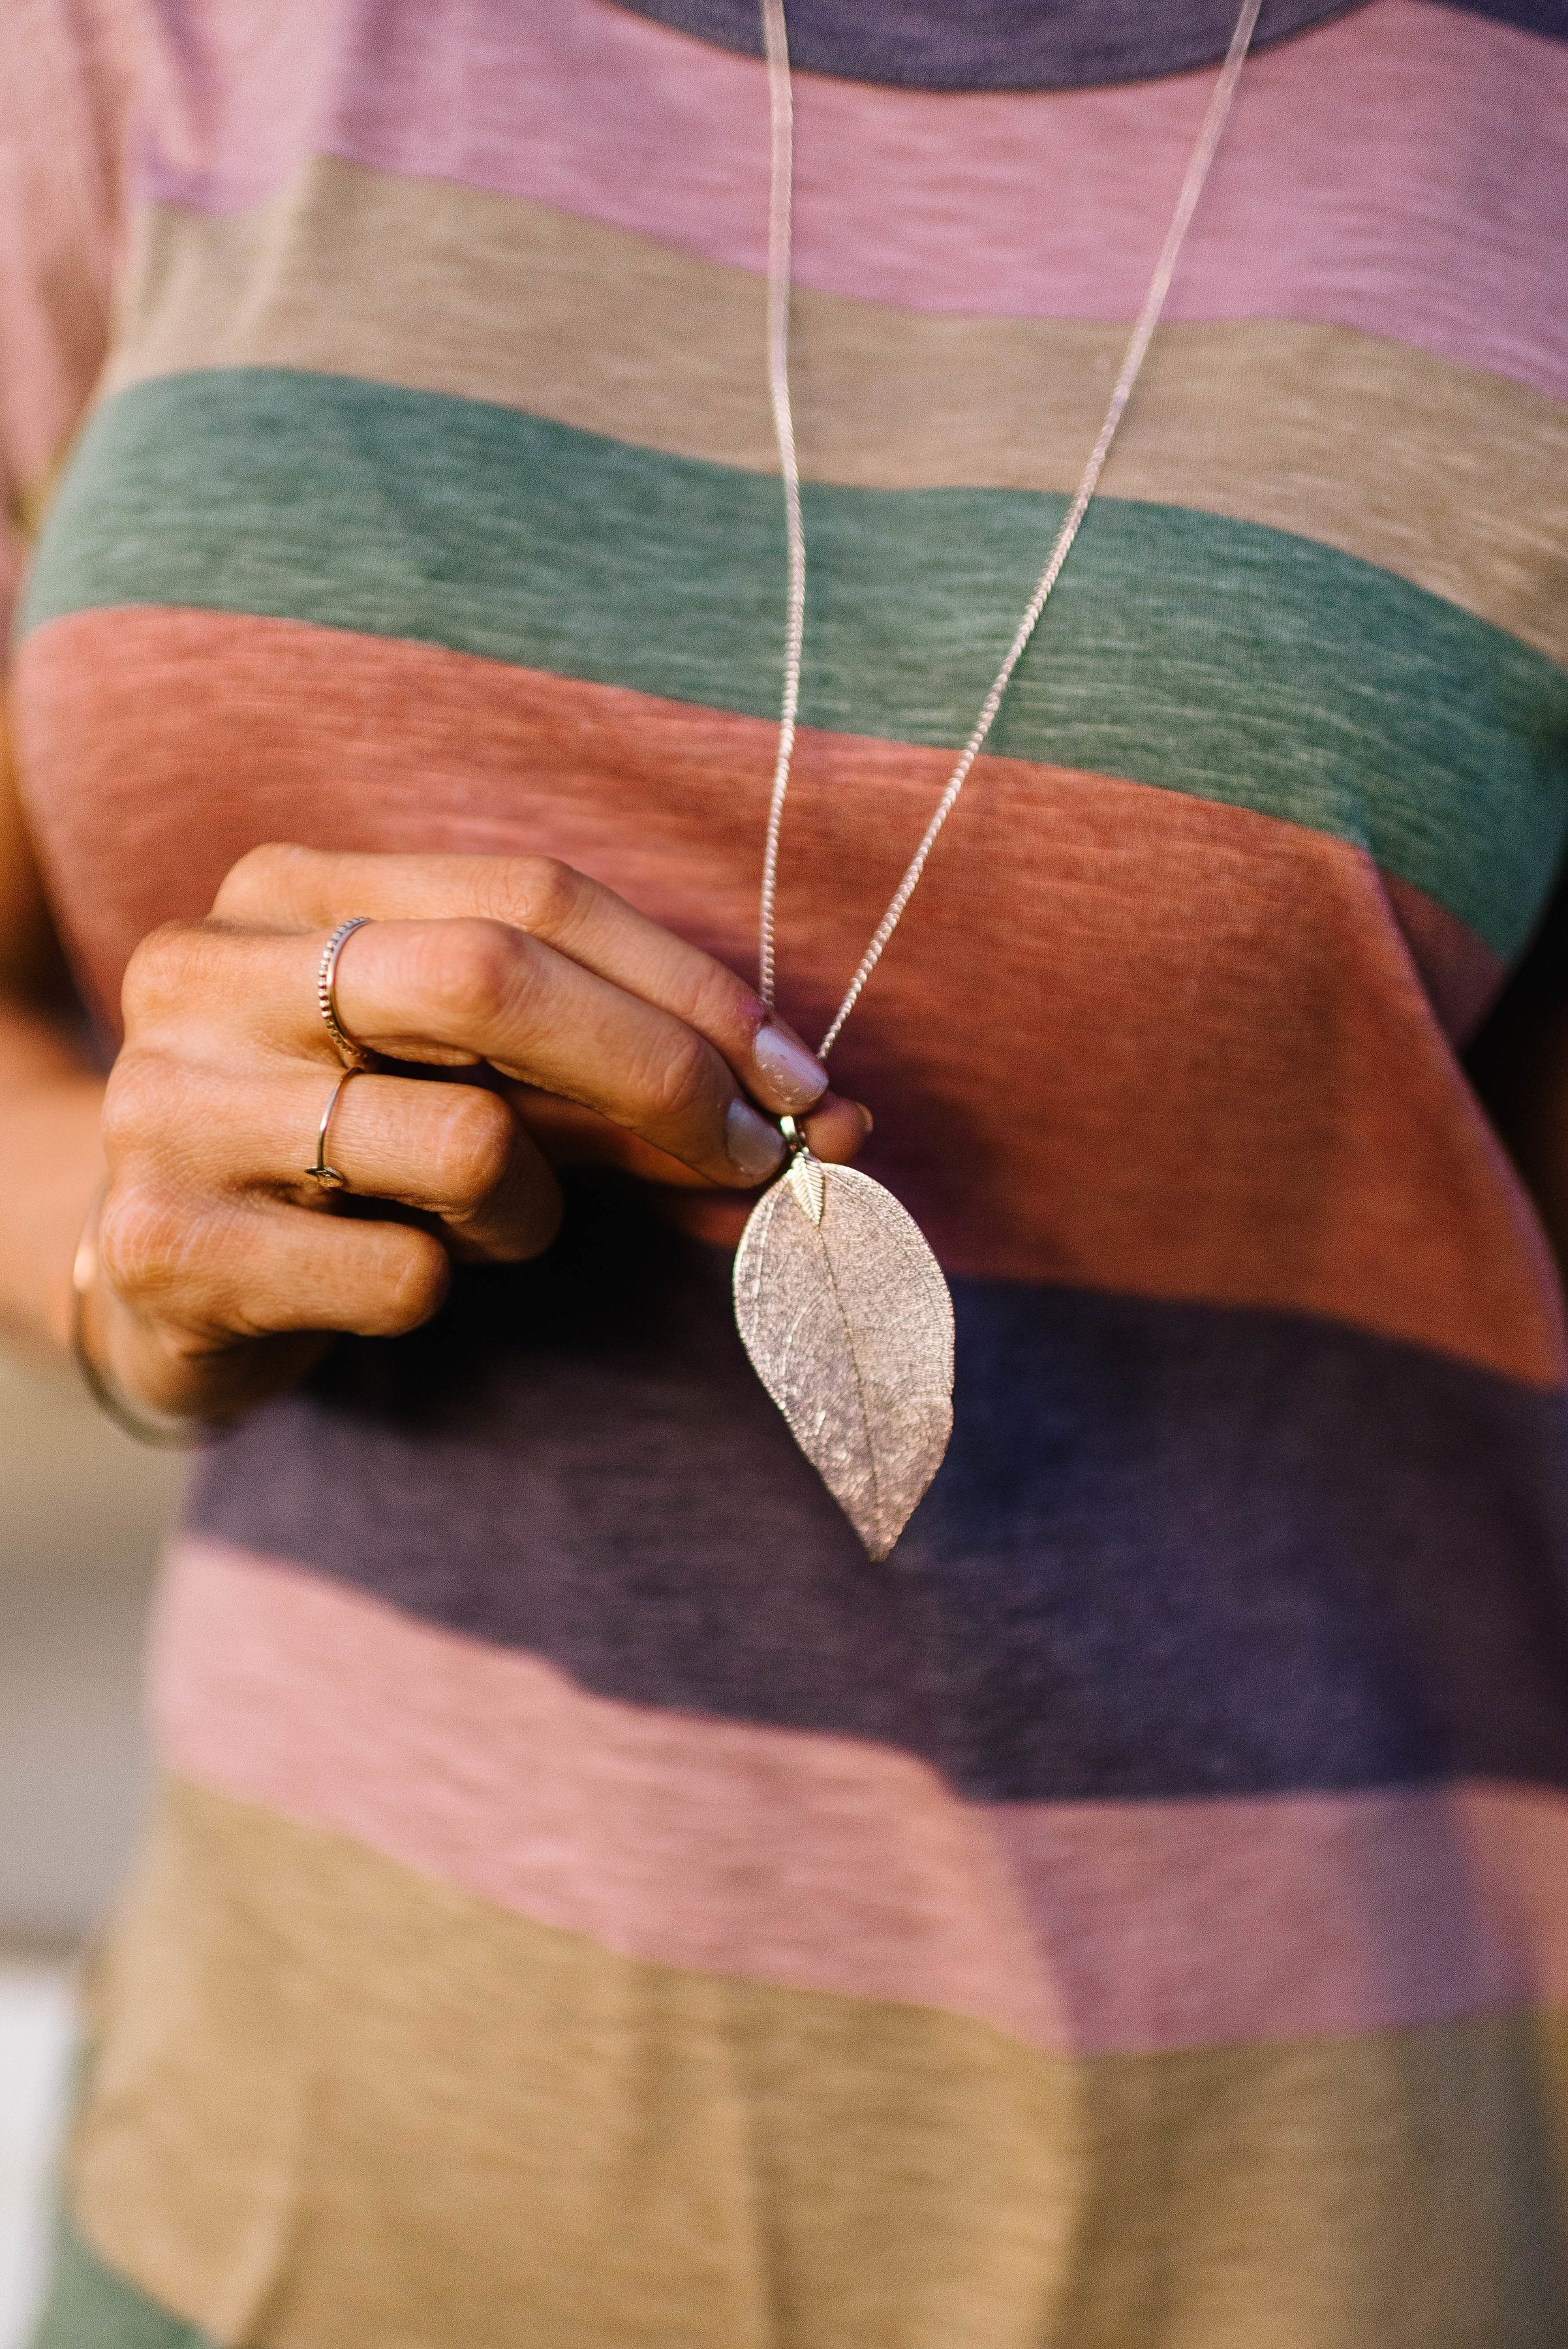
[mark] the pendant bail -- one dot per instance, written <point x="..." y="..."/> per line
<point x="795" y="1135"/>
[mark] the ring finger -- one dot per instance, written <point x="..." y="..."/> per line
<point x="450" y="1149"/>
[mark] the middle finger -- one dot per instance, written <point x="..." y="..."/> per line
<point x="482" y="990"/>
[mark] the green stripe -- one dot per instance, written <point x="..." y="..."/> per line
<point x="92" y="2307"/>
<point x="1222" y="659"/>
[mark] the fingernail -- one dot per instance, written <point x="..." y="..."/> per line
<point x="866" y="1120"/>
<point x="755" y="1147"/>
<point x="797" y="1075"/>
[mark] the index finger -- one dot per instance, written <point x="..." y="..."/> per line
<point x="581" y="919"/>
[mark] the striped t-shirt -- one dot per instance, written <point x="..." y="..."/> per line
<point x="590" y="1905"/>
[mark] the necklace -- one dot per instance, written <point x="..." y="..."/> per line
<point x="840" y="1303"/>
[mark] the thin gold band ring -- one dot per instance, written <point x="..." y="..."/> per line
<point x="328" y="1177"/>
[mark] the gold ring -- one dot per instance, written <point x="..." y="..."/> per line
<point x="328" y="1176"/>
<point x="355" y="1056"/>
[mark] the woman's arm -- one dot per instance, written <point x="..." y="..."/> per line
<point x="51" y="1160"/>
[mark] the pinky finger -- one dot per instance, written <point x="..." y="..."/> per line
<point x="206" y="1279"/>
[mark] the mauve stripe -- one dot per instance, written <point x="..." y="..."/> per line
<point x="1082" y="1928"/>
<point x="1403" y="170"/>
<point x="1171" y="1552"/>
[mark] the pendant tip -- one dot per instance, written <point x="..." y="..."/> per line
<point x="806" y="1181"/>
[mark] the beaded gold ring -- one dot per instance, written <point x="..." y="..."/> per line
<point x="355" y="1056"/>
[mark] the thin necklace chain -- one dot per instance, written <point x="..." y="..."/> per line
<point x="781" y="185"/>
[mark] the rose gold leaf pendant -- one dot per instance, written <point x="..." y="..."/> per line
<point x="845" y="1315"/>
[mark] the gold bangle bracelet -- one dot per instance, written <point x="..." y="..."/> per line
<point x="162" y="1434"/>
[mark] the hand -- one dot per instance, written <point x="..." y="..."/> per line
<point x="532" y="1018"/>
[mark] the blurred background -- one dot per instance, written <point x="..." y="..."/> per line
<point x="82" y="1512"/>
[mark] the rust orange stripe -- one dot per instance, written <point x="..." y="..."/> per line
<point x="1127" y="1038"/>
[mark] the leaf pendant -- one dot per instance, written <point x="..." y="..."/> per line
<point x="845" y="1315"/>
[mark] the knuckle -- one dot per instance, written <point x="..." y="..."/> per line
<point x="723" y="1005"/>
<point x="472" y="967"/>
<point x="263" y="878"/>
<point x="133" y="1101"/>
<point x="544" y="894"/>
<point x="156" y="973"/>
<point x="472" y="1148"/>
<point x="144" y="1236"/>
<point x="679" y="1080"/>
<point x="415" y="1273"/>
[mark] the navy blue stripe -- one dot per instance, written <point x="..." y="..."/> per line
<point x="1174" y="1550"/>
<point x="1547" y="18"/>
<point x="991" y="44"/>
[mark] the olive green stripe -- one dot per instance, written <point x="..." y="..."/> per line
<point x="334" y="2101"/>
<point x="1446" y="475"/>
<point x="1183" y="649"/>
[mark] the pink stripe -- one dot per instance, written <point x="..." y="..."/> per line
<point x="829" y="1864"/>
<point x="1403" y="170"/>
